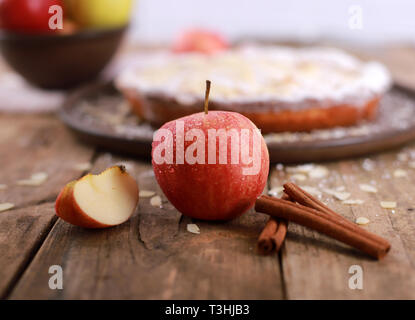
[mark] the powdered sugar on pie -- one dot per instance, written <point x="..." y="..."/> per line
<point x="292" y="76"/>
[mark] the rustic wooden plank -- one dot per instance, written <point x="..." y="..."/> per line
<point x="30" y="144"/>
<point x="316" y="267"/>
<point x="21" y="232"/>
<point x="152" y="256"/>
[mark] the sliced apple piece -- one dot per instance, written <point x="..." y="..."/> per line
<point x="99" y="201"/>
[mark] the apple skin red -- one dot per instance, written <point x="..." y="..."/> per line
<point x="67" y="209"/>
<point x="211" y="191"/>
<point x="27" y="16"/>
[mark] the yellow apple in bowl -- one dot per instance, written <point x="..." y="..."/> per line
<point x="99" y="13"/>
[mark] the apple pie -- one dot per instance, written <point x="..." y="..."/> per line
<point x="278" y="88"/>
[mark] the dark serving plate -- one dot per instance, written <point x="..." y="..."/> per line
<point x="99" y="115"/>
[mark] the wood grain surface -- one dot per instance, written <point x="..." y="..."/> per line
<point x="153" y="256"/>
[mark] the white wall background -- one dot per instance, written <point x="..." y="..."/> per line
<point x="158" y="21"/>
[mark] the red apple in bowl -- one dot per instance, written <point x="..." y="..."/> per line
<point x="203" y="168"/>
<point x="28" y="16"/>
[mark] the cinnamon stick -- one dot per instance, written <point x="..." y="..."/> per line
<point x="304" y="198"/>
<point x="321" y="222"/>
<point x="273" y="235"/>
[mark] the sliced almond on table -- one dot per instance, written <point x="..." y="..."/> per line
<point x="402" y="156"/>
<point x="318" y="172"/>
<point x="311" y="170"/>
<point x="274" y="192"/>
<point x="3" y="186"/>
<point x="368" y="165"/>
<point x="362" y="220"/>
<point x="83" y="166"/>
<point x="341" y="195"/>
<point x="411" y="164"/>
<point x="353" y="202"/>
<point x="35" y="180"/>
<point x="337" y="194"/>
<point x="146" y="193"/>
<point x="368" y="188"/>
<point x="399" y="173"/>
<point x="156" y="201"/>
<point x="39" y="176"/>
<point x="6" y="206"/>
<point x="388" y="204"/>
<point x="193" y="228"/>
<point x="304" y="168"/>
<point x="298" y="177"/>
<point x="279" y="166"/>
<point x="29" y="183"/>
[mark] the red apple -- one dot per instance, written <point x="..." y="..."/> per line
<point x="99" y="201"/>
<point x="200" y="41"/>
<point x="207" y="190"/>
<point x="29" y="16"/>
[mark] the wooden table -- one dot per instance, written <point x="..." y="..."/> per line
<point x="153" y="256"/>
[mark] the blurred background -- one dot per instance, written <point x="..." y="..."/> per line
<point x="100" y="37"/>
<point x="383" y="21"/>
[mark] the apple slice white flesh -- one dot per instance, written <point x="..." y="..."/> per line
<point x="99" y="201"/>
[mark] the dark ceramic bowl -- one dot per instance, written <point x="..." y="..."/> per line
<point x="60" y="61"/>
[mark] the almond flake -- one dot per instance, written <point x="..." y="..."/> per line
<point x="274" y="192"/>
<point x="40" y="176"/>
<point x="279" y="166"/>
<point x="411" y="164"/>
<point x="402" y="157"/>
<point x="83" y="166"/>
<point x="341" y="195"/>
<point x="368" y="188"/>
<point x="353" y="202"/>
<point x="155" y="201"/>
<point x="362" y="220"/>
<point x="341" y="188"/>
<point x="304" y="168"/>
<point x="329" y="191"/>
<point x="193" y="228"/>
<point x="311" y="190"/>
<point x="298" y="177"/>
<point x="399" y="173"/>
<point x="337" y="194"/>
<point x="368" y="165"/>
<point x="3" y="186"/>
<point x="388" y="204"/>
<point x="318" y="172"/>
<point x="28" y="183"/>
<point x="146" y="193"/>
<point x="6" y="206"/>
<point x="35" y="180"/>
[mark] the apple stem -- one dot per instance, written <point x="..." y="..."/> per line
<point x="207" y="96"/>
